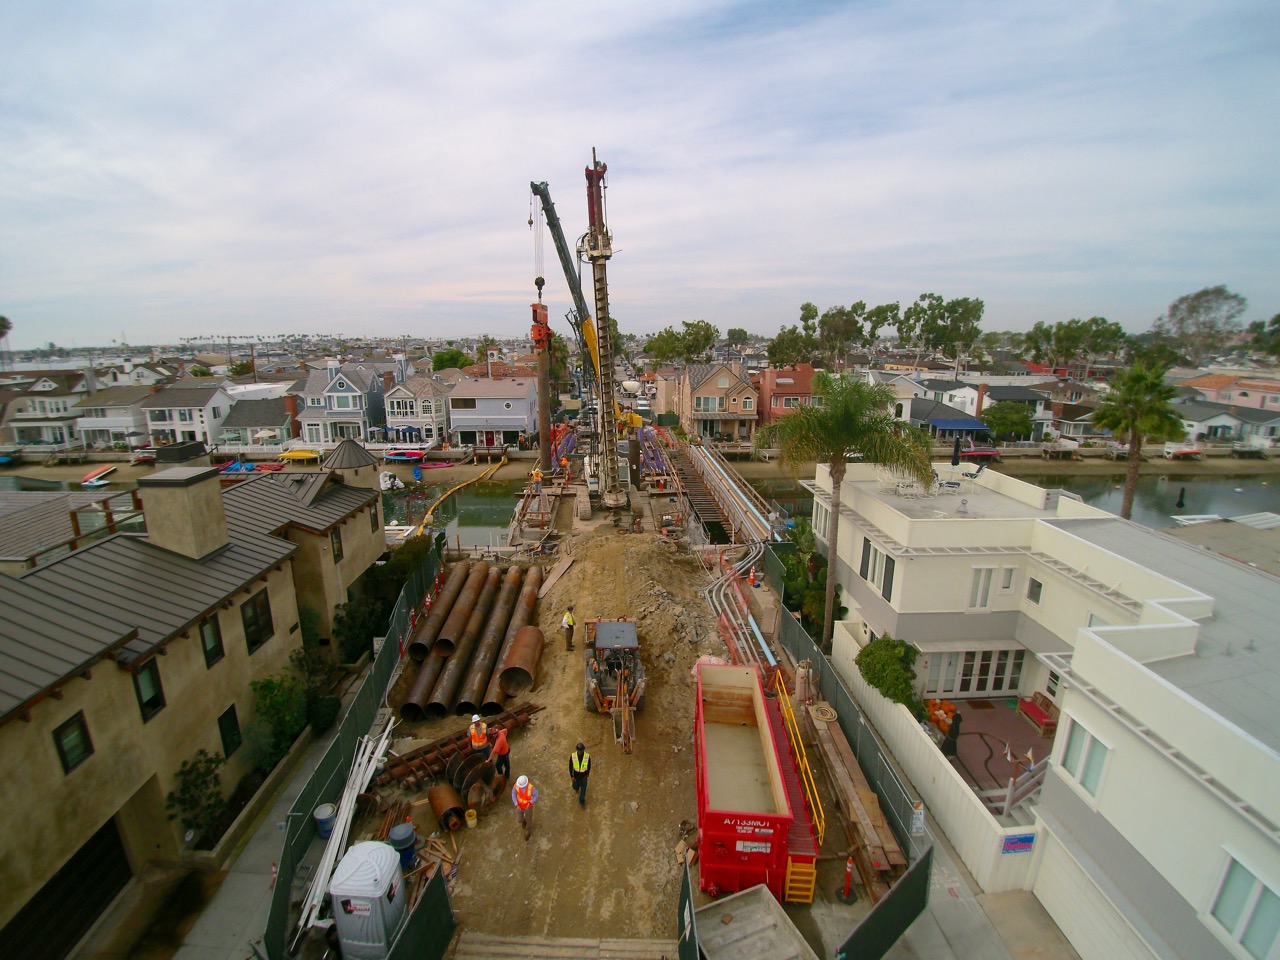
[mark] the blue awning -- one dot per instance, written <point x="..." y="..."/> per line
<point x="965" y="423"/>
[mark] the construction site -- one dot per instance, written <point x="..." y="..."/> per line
<point x="631" y="615"/>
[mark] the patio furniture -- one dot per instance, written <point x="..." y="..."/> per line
<point x="1041" y="712"/>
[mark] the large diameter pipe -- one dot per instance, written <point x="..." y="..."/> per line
<point x="416" y="699"/>
<point x="456" y="622"/>
<point x="544" y="403"/>
<point x="490" y="641"/>
<point x="423" y="640"/>
<point x="456" y="667"/>
<point x="494" y="699"/>
<point x="521" y="669"/>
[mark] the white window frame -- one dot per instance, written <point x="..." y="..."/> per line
<point x="1008" y="579"/>
<point x="1089" y="744"/>
<point x="821" y="520"/>
<point x="748" y="403"/>
<point x="980" y="589"/>
<point x="1097" y="621"/>
<point x="315" y="401"/>
<point x="1248" y="908"/>
<point x="790" y="403"/>
<point x="1039" y="597"/>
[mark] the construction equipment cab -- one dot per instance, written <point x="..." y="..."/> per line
<point x="614" y="675"/>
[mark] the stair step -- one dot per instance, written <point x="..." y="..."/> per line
<point x="488" y="946"/>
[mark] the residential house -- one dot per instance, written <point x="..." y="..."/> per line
<point x="492" y="413"/>
<point x="1240" y="391"/>
<point x="1225" y="422"/>
<point x="130" y="374"/>
<point x="183" y="412"/>
<point x="1147" y="826"/>
<point x="263" y="421"/>
<point x="418" y="409"/>
<point x="716" y="401"/>
<point x="345" y="401"/>
<point x="1067" y="391"/>
<point x="784" y="389"/>
<point x="1074" y="420"/>
<point x="114" y="415"/>
<point x="42" y="406"/>
<point x="941" y="421"/>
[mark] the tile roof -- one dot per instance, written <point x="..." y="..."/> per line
<point x="1211" y="381"/>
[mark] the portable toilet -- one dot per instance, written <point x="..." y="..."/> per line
<point x="368" y="899"/>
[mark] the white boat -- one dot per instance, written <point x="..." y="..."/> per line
<point x="389" y="481"/>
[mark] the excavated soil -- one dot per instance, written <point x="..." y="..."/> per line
<point x="607" y="870"/>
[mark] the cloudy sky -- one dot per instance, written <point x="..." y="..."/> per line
<point x="173" y="169"/>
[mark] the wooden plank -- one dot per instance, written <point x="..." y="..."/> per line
<point x="888" y="842"/>
<point x="847" y="795"/>
<point x="556" y="573"/>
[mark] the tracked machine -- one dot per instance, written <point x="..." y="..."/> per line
<point x="614" y="675"/>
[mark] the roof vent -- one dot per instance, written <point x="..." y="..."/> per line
<point x="963" y="509"/>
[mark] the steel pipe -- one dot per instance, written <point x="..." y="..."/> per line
<point x="481" y="668"/>
<point x="422" y="641"/>
<point x="446" y="805"/>
<point x="456" y="622"/>
<point x="494" y="699"/>
<point x="411" y="710"/>
<point x="456" y="667"/>
<point x="521" y="667"/>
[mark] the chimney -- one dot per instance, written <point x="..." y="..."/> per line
<point x="183" y="510"/>
<point x="1057" y="407"/>
<point x="388" y="380"/>
<point x="291" y="407"/>
<point x="334" y="367"/>
<point x="982" y="398"/>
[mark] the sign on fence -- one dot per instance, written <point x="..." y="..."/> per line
<point x="1018" y="843"/>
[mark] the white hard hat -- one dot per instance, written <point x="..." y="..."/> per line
<point x="475" y="718"/>
<point x="522" y="782"/>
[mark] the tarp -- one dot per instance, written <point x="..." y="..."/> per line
<point x="965" y="423"/>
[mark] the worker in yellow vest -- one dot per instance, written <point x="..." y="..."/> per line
<point x="579" y="770"/>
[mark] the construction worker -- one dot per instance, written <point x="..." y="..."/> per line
<point x="479" y="733"/>
<point x="564" y="465"/>
<point x="537" y="481"/>
<point x="579" y="770"/>
<point x="524" y="795"/>
<point x="502" y="753"/>
<point x="566" y="623"/>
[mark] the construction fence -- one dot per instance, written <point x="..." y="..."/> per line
<point x="330" y="774"/>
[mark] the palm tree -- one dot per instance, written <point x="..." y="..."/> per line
<point x="853" y="417"/>
<point x="1138" y="408"/>
<point x="5" y="326"/>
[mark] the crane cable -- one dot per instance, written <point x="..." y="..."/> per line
<point x="535" y="224"/>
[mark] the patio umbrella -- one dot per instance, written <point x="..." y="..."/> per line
<point x="264" y="434"/>
<point x="955" y="453"/>
<point x="134" y="433"/>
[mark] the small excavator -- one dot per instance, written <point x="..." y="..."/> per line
<point x="614" y="675"/>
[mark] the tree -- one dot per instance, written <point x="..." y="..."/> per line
<point x="1008" y="420"/>
<point x="796" y="344"/>
<point x="665" y="345"/>
<point x="737" y="336"/>
<point x="1138" y="408"/>
<point x="697" y="339"/>
<point x="450" y="359"/>
<point x="197" y="799"/>
<point x="945" y="326"/>
<point x="200" y="371"/>
<point x="855" y="417"/>
<point x="1099" y="337"/>
<point x="241" y="368"/>
<point x="1264" y="336"/>
<point x="483" y="343"/>
<point x="889" y="666"/>
<point x="1199" y="323"/>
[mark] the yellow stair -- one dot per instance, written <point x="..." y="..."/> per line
<point x="802" y="880"/>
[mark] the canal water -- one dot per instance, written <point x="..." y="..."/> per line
<point x="1155" y="504"/>
<point x="475" y="517"/>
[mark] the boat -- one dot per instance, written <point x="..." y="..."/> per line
<point x="404" y="454"/>
<point x="98" y="477"/>
<point x="389" y="481"/>
<point x="142" y="455"/>
<point x="300" y="455"/>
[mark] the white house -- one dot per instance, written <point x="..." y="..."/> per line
<point x="418" y="409"/>
<point x="1152" y="829"/>
<point x="182" y="412"/>
<point x="490" y="413"/>
<point x="114" y="415"/>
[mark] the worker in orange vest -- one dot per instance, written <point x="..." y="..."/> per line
<point x="479" y="732"/>
<point x="537" y="480"/>
<point x="524" y="795"/>
<point x="564" y="465"/>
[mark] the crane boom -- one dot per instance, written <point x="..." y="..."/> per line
<point x="583" y="328"/>
<point x="599" y="245"/>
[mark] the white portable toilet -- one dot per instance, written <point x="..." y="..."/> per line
<point x="368" y="900"/>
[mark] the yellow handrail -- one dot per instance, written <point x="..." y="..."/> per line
<point x="430" y="515"/>
<point x="802" y="758"/>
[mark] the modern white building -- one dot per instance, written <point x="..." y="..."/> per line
<point x="180" y="413"/>
<point x="1151" y="830"/>
<point x="114" y="415"/>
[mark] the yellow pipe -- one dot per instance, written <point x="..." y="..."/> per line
<point x="488" y="472"/>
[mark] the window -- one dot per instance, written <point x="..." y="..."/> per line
<point x="790" y="403"/>
<point x="342" y="403"/>
<point x="877" y="569"/>
<point x="335" y="541"/>
<point x="821" y="520"/>
<point x="980" y="588"/>
<point x="184" y="416"/>
<point x="1248" y="910"/>
<point x="216" y="413"/>
<point x="256" y="614"/>
<point x="1097" y="621"/>
<point x="1034" y="589"/>
<point x="734" y="400"/>
<point x="722" y="382"/>
<point x="373" y="518"/>
<point x="211" y="640"/>
<point x="1051" y="686"/>
<point x="773" y="401"/>
<point x="313" y="433"/>
<point x="146" y="683"/>
<point x="229" y="727"/>
<point x="1007" y="575"/>
<point x="401" y="408"/>
<point x="462" y="403"/>
<point x="1084" y="757"/>
<point x="74" y="745"/>
<point x="315" y="401"/>
<point x="748" y="403"/>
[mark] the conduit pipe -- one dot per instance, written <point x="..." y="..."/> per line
<point x="423" y="640"/>
<point x="448" y="636"/>
<point x="486" y="654"/>
<point x="451" y="676"/>
<point x="494" y="699"/>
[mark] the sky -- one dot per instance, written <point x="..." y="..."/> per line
<point x="179" y="170"/>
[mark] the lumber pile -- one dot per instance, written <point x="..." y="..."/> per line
<point x="876" y="852"/>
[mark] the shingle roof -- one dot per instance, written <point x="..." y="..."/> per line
<point x="180" y="395"/>
<point x="304" y="498"/>
<point x="245" y="414"/>
<point x="1014" y="393"/>
<point x="481" y="389"/>
<point x="122" y="396"/>
<point x="424" y="387"/>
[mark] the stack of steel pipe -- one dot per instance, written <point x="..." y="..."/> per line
<point x="494" y="698"/>
<point x="481" y="667"/>
<point x="454" y="615"/>
<point x="459" y="646"/>
<point x="520" y="669"/>
<point x="425" y="638"/>
<point x="428" y="761"/>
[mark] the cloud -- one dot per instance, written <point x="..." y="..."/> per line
<point x="307" y="167"/>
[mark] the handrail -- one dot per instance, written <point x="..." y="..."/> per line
<point x="802" y="758"/>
